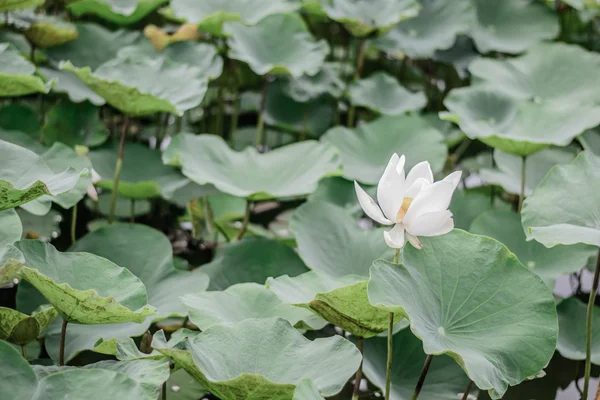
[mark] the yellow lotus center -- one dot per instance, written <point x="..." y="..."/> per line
<point x="403" y="208"/>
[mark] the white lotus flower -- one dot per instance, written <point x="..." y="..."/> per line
<point x="414" y="204"/>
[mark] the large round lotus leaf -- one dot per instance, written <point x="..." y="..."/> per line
<point x="149" y="374"/>
<point x="74" y="124"/>
<point x="203" y="56"/>
<point x="123" y="206"/>
<point x="17" y="75"/>
<point x="590" y="140"/>
<point x="462" y="292"/>
<point x="23" y="140"/>
<point x="279" y="44"/>
<point x="364" y="17"/>
<point x="11" y="258"/>
<point x="94" y="46"/>
<point x="44" y="31"/>
<point x="8" y="5"/>
<point x="19" y="117"/>
<point x="509" y="169"/>
<point x="512" y="26"/>
<point x="211" y="14"/>
<point x="143" y="175"/>
<point x="435" y="28"/>
<point x="25" y="176"/>
<point x="445" y="378"/>
<point x="241" y="302"/>
<point x="330" y="239"/>
<point x="147" y="253"/>
<point x="520" y="105"/>
<point x="140" y="86"/>
<point x="282" y="111"/>
<point x="341" y="301"/>
<point x="382" y="93"/>
<point x="84" y="288"/>
<point x="292" y="170"/>
<point x="306" y="88"/>
<point x="466" y="205"/>
<point x="261" y="258"/>
<point x="306" y="390"/>
<point x="19" y="328"/>
<point x="564" y="208"/>
<point x="113" y="10"/>
<point x="41" y="227"/>
<point x="572" y="328"/>
<point x="363" y="148"/>
<point x="340" y="192"/>
<point x="59" y="158"/>
<point x="549" y="264"/>
<point x="459" y="56"/>
<point x="66" y="82"/>
<point x="16" y="375"/>
<point x="266" y="358"/>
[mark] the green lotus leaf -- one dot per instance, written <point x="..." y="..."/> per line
<point x="363" y="18"/>
<point x="572" y="327"/>
<point x="329" y="239"/>
<point x="512" y="106"/>
<point x="203" y="57"/>
<point x="462" y="292"/>
<point x="17" y="75"/>
<point x="278" y="44"/>
<point x="341" y="301"/>
<point x="444" y="381"/>
<point x="564" y="207"/>
<point x="44" y="31"/>
<point x="382" y="93"/>
<point x="182" y="386"/>
<point x="512" y="26"/>
<point x="19" y="328"/>
<point x="141" y="86"/>
<point x="123" y="207"/>
<point x="509" y="169"/>
<point x="59" y="158"/>
<point x="74" y="124"/>
<point x="66" y="82"/>
<point x="281" y="111"/>
<point x="241" y="302"/>
<point x="19" y="117"/>
<point x="11" y="259"/>
<point x="16" y="375"/>
<point x="363" y="148"/>
<point x="143" y="175"/>
<point x="23" y="140"/>
<point x="94" y="46"/>
<point x="452" y="135"/>
<point x="306" y="390"/>
<point x="148" y="254"/>
<point x="210" y="15"/>
<point x="208" y="159"/>
<point x="116" y="11"/>
<point x="149" y="374"/>
<point x="340" y="192"/>
<point x="460" y="55"/>
<point x="466" y="205"/>
<point x="84" y="288"/>
<point x="434" y="28"/>
<point x="265" y="358"/>
<point x="261" y="258"/>
<point x="9" y="5"/>
<point x="306" y="88"/>
<point x="41" y="227"/>
<point x="590" y="140"/>
<point x="549" y="264"/>
<point x="25" y="176"/>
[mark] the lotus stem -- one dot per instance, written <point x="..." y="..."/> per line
<point x="260" y="124"/>
<point x="132" y="211"/>
<point x="73" y="224"/>
<point x="63" y="335"/>
<point x="360" y="59"/>
<point x="351" y="113"/>
<point x="467" y="390"/>
<point x="358" y="377"/>
<point x="119" y="164"/>
<point x="164" y="391"/>
<point x="522" y="195"/>
<point x="24" y="351"/>
<point x="588" y="326"/>
<point x="245" y="222"/>
<point x="390" y="348"/>
<point x="424" y="371"/>
<point x="234" y="116"/>
<point x="304" y="131"/>
<point x="220" y="111"/>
